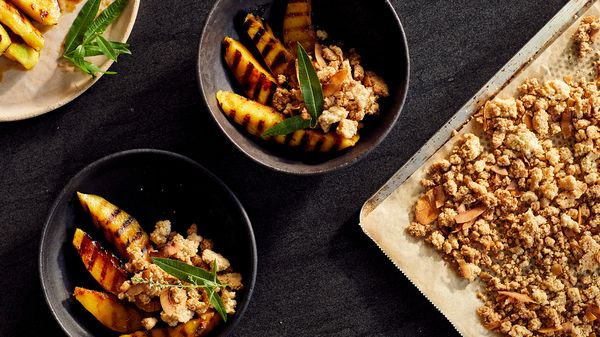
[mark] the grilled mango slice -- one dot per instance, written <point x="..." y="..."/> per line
<point x="119" y="228"/>
<point x="4" y="40"/>
<point x="256" y="118"/>
<point x="20" y="25"/>
<point x="109" y="310"/>
<point x="104" y="266"/>
<point x="45" y="12"/>
<point x="297" y="25"/>
<point x="256" y="81"/>
<point x="279" y="60"/>
<point x="197" y="327"/>
<point x="22" y="53"/>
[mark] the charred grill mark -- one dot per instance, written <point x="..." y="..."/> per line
<point x="245" y="121"/>
<point x="279" y="60"/>
<point x="232" y="113"/>
<point x="288" y="138"/>
<point x="304" y="140"/>
<point x="266" y="50"/>
<point x="246" y="80"/>
<point x="319" y="144"/>
<point x="113" y="215"/>
<point x="260" y="127"/>
<point x="237" y="58"/>
<point x="138" y="235"/>
<point x="258" y="35"/>
<point x="104" y="271"/>
<point x="261" y="83"/>
<point x="124" y="226"/>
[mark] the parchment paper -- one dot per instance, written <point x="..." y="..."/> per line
<point x="386" y="224"/>
<point x="25" y="94"/>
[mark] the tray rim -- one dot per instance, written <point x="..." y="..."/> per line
<point x="561" y="21"/>
<point x="570" y="12"/>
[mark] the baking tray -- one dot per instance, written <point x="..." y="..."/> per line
<point x="383" y="219"/>
<point x="554" y="28"/>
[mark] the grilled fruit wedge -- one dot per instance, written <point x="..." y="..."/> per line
<point x="4" y="40"/>
<point x="104" y="266"/>
<point x="197" y="327"/>
<point x="276" y="56"/>
<point x="109" y="311"/>
<point x="22" y="53"/>
<point x="45" y="12"/>
<point x="256" y="81"/>
<point x="256" y="118"/>
<point x="20" y="25"/>
<point x="297" y="25"/>
<point x="120" y="228"/>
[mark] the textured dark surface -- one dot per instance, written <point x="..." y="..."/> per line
<point x="318" y="274"/>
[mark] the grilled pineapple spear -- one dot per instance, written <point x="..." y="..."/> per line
<point x="197" y="327"/>
<point x="102" y="265"/>
<point x="109" y="310"/>
<point x="23" y="54"/>
<point x="4" y="40"/>
<point x="257" y="118"/>
<point x="45" y="12"/>
<point x="297" y="25"/>
<point x="119" y="228"/>
<point x="279" y="60"/>
<point x="256" y="81"/>
<point x="20" y="25"/>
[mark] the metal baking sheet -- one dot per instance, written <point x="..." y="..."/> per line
<point x="554" y="28"/>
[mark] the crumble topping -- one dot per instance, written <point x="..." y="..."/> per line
<point x="349" y="92"/>
<point x="586" y="35"/>
<point x="522" y="215"/>
<point x="147" y="290"/>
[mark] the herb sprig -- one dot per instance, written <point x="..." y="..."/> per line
<point x="198" y="278"/>
<point x="313" y="99"/>
<point x="85" y="39"/>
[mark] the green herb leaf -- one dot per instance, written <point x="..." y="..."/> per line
<point x="80" y="25"/>
<point x="99" y="25"/>
<point x="198" y="276"/>
<point x="310" y="86"/>
<point x="106" y="48"/>
<point x="94" y="50"/>
<point x="288" y="125"/>
<point x="182" y="270"/>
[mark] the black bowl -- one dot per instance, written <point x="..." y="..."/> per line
<point x="372" y="27"/>
<point x="150" y="185"/>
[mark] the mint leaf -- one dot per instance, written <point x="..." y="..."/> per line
<point x="287" y="126"/>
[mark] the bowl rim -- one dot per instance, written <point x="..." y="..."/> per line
<point x="90" y="167"/>
<point x="289" y="168"/>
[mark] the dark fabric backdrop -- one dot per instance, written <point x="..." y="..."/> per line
<point x="319" y="275"/>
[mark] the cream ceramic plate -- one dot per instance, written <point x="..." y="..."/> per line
<point x="26" y="94"/>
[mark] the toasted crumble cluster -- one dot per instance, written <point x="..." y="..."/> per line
<point x="519" y="210"/>
<point x="586" y="35"/>
<point x="349" y="92"/>
<point x="177" y="304"/>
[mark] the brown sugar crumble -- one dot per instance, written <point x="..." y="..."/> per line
<point x="586" y="35"/>
<point x="518" y="208"/>
<point x="177" y="304"/>
<point x="349" y="92"/>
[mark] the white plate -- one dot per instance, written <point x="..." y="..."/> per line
<point x="25" y="94"/>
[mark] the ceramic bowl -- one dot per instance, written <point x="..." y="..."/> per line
<point x="372" y="27"/>
<point x="150" y="185"/>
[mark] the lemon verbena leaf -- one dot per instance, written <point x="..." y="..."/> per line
<point x="83" y="20"/>
<point x="288" y="125"/>
<point x="99" y="25"/>
<point x="310" y="86"/>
